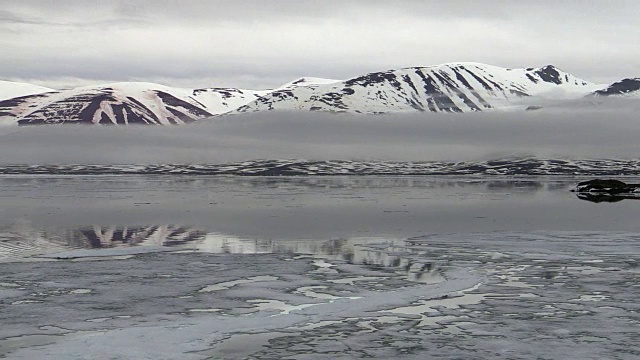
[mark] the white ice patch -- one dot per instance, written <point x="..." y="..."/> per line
<point x="353" y="280"/>
<point x="282" y="307"/>
<point x="595" y="297"/>
<point x="309" y="291"/>
<point x="81" y="291"/>
<point x="229" y="284"/>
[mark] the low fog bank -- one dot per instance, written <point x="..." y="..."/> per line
<point x="588" y="132"/>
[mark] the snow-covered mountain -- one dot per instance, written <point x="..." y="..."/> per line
<point x="132" y="103"/>
<point x="447" y="88"/>
<point x="624" y="87"/>
<point x="123" y="103"/>
<point x="10" y="89"/>
<point x="455" y="87"/>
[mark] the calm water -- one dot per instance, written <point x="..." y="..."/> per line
<point x="107" y="211"/>
<point x="192" y="267"/>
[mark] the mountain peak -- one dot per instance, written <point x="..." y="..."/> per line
<point x="550" y="73"/>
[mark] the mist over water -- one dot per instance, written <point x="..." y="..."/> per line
<point x="591" y="131"/>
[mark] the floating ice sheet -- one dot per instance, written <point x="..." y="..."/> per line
<point x="535" y="300"/>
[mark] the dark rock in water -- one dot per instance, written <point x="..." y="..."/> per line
<point x="533" y="107"/>
<point x="607" y="190"/>
<point x="609" y="186"/>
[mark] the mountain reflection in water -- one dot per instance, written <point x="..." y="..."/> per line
<point x="338" y="216"/>
<point x="159" y="235"/>
<point x="372" y="252"/>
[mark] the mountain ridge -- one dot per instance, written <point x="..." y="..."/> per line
<point x="515" y="166"/>
<point x="452" y="87"/>
<point x="459" y="87"/>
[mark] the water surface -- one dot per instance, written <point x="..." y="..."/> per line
<point x="104" y="211"/>
<point x="197" y="267"/>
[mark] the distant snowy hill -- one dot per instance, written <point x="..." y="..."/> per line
<point x="627" y="87"/>
<point x="10" y="89"/>
<point x="504" y="167"/>
<point x="447" y="88"/>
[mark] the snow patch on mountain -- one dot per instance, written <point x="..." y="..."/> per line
<point x="307" y="81"/>
<point x="221" y="100"/>
<point x="10" y="89"/>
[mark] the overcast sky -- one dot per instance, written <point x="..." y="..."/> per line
<point x="258" y="44"/>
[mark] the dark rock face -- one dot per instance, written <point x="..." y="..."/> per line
<point x="374" y="78"/>
<point x="6" y="106"/>
<point x="225" y="93"/>
<point x="549" y="74"/>
<point x="179" y="107"/>
<point x="624" y="86"/>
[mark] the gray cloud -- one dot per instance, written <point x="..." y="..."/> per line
<point x="606" y="131"/>
<point x="254" y="43"/>
<point x="8" y="17"/>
